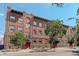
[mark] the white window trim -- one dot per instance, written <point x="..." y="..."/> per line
<point x="20" y="20"/>
<point x="27" y="35"/>
<point x="27" y="26"/>
<point x="20" y="29"/>
<point x="12" y="17"/>
<point x="35" y="23"/>
<point x="12" y="27"/>
<point x="40" y="24"/>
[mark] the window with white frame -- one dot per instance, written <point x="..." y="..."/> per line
<point x="40" y="24"/>
<point x="40" y="32"/>
<point x="45" y="25"/>
<point x="27" y="26"/>
<point x="20" y="29"/>
<point x="12" y="28"/>
<point x="35" y="32"/>
<point x="28" y="35"/>
<point x="20" y="20"/>
<point x="35" y="23"/>
<point x="12" y="19"/>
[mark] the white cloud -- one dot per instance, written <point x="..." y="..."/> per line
<point x="1" y="14"/>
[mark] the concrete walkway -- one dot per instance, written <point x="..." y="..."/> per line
<point x="64" y="51"/>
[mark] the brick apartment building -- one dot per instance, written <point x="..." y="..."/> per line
<point x="32" y="27"/>
<point x="70" y="33"/>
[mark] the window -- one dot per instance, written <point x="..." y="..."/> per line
<point x="40" y="24"/>
<point x="45" y="25"/>
<point x="20" y="21"/>
<point x="28" y="35"/>
<point x="28" y="19"/>
<point x="27" y="26"/>
<point x="19" y="29"/>
<point x="12" y="28"/>
<point x="45" y="43"/>
<point x="40" y="32"/>
<point x="35" y="23"/>
<point x="34" y="41"/>
<point x="40" y="41"/>
<point x="12" y="19"/>
<point x="35" y="32"/>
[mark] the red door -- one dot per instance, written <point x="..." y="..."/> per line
<point x="54" y="46"/>
<point x="27" y="45"/>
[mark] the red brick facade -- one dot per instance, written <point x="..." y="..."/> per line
<point x="30" y="25"/>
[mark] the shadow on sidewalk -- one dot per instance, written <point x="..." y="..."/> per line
<point x="76" y="53"/>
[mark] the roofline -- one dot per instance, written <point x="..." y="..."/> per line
<point x="68" y="26"/>
<point x="41" y="18"/>
<point x="18" y="10"/>
<point x="31" y="14"/>
<point x="37" y="17"/>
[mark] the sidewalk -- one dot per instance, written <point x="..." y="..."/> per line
<point x="61" y="51"/>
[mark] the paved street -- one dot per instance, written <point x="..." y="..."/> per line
<point x="58" y="52"/>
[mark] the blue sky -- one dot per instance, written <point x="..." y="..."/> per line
<point x="45" y="10"/>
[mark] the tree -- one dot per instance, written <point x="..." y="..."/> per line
<point x="14" y="40"/>
<point x="71" y="41"/>
<point x="77" y="34"/>
<point x="70" y="36"/>
<point x="55" y="29"/>
<point x="76" y="27"/>
<point x="18" y="39"/>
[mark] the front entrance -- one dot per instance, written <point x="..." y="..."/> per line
<point x="27" y="45"/>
